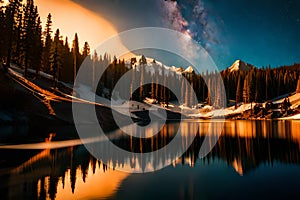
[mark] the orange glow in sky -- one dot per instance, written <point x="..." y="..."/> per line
<point x="72" y="18"/>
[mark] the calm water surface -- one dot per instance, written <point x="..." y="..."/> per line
<point x="252" y="160"/>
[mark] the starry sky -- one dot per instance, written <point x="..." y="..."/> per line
<point x="260" y="32"/>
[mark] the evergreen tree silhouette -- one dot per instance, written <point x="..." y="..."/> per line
<point x="47" y="44"/>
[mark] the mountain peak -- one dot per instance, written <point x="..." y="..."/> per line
<point x="240" y="65"/>
<point x="190" y="69"/>
<point x="137" y="60"/>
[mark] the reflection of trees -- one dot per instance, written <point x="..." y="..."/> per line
<point x="251" y="150"/>
<point x="46" y="170"/>
<point x="151" y="144"/>
<point x="40" y="176"/>
<point x="248" y="153"/>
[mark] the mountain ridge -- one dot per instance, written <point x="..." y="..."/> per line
<point x="240" y="65"/>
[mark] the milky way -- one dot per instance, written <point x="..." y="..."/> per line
<point x="190" y="17"/>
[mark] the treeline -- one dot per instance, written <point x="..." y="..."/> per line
<point x="261" y="84"/>
<point x="254" y="85"/>
<point x="148" y="79"/>
<point x="24" y="42"/>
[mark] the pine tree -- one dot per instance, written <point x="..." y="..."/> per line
<point x="95" y="60"/>
<point x="252" y="81"/>
<point x="37" y="46"/>
<point x="17" y="42"/>
<point x="56" y="57"/>
<point x="152" y="80"/>
<point x="246" y="91"/>
<point x="209" y="89"/>
<point x="67" y="63"/>
<point x="76" y="55"/>
<point x="238" y="92"/>
<point x="165" y="98"/>
<point x="86" y="58"/>
<point x="12" y="11"/>
<point x="30" y="19"/>
<point x="86" y="50"/>
<point x="268" y="83"/>
<point x="47" y="45"/>
<point x="157" y="83"/>
<point x="143" y="63"/>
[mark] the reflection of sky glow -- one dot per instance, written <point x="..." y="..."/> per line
<point x="101" y="184"/>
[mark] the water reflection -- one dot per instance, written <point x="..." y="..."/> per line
<point x="244" y="146"/>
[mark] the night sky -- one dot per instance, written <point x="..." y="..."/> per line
<point x="258" y="32"/>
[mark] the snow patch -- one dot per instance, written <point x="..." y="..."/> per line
<point x="240" y="65"/>
<point x="190" y="69"/>
<point x="151" y="65"/>
<point x="294" y="117"/>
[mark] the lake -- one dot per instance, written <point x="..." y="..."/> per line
<point x="251" y="160"/>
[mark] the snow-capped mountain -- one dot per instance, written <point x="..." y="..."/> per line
<point x="190" y="69"/>
<point x="240" y="65"/>
<point x="151" y="63"/>
<point x="138" y="61"/>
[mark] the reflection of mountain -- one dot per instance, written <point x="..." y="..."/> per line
<point x="75" y="170"/>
